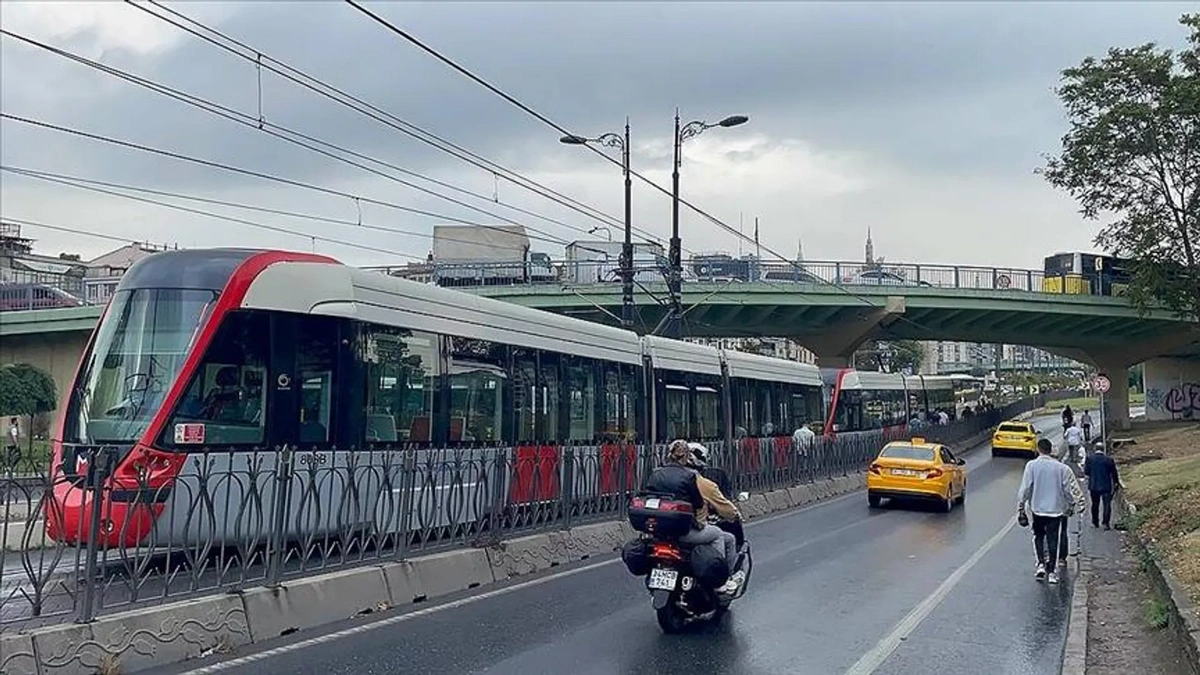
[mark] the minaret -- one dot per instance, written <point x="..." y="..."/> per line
<point x="799" y="250"/>
<point x="870" y="248"/>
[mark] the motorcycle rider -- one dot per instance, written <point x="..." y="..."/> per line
<point x="700" y="459"/>
<point x="677" y="478"/>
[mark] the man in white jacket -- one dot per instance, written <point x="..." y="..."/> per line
<point x="1049" y="488"/>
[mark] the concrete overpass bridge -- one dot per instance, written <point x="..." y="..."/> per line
<point x="834" y="321"/>
<point x="832" y="318"/>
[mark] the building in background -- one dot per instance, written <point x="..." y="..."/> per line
<point x="780" y="348"/>
<point x="103" y="273"/>
<point x="32" y="280"/>
<point x="20" y="265"/>
<point x="946" y="357"/>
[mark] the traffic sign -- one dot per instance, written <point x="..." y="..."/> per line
<point x="1101" y="383"/>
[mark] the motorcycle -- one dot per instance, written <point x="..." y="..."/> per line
<point x="678" y="594"/>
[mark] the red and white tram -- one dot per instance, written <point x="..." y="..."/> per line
<point x="231" y="355"/>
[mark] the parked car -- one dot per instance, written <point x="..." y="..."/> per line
<point x="881" y="278"/>
<point x="15" y="297"/>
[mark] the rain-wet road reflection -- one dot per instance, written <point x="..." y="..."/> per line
<point x="830" y="583"/>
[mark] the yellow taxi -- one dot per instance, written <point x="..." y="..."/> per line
<point x="917" y="470"/>
<point x="1015" y="438"/>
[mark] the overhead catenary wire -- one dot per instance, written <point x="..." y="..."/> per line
<point x="462" y="70"/>
<point x="249" y="172"/>
<point x="249" y="223"/>
<point x="284" y="133"/>
<point x="81" y="182"/>
<point x="252" y="55"/>
<point x="66" y="230"/>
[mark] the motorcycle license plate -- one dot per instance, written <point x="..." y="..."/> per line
<point x="663" y="579"/>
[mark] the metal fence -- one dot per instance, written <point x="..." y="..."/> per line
<point x="235" y="519"/>
<point x="845" y="274"/>
<point x="53" y="291"/>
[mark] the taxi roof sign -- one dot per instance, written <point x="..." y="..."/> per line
<point x="917" y="440"/>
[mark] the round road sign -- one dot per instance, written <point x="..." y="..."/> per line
<point x="1101" y="384"/>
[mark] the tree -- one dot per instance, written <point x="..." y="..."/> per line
<point x="1133" y="153"/>
<point x="890" y="356"/>
<point x="26" y="390"/>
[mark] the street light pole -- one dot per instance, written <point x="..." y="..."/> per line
<point x="626" y="258"/>
<point x="627" y="246"/>
<point x="672" y="323"/>
<point x="598" y="228"/>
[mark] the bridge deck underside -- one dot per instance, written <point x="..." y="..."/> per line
<point x="721" y="310"/>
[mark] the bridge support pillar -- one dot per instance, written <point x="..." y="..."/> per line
<point x="1115" y="362"/>
<point x="1172" y="389"/>
<point x="835" y="347"/>
<point x="1116" y="401"/>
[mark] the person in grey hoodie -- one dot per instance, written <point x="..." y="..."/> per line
<point x="1049" y="489"/>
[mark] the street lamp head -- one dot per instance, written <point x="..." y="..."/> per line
<point x="733" y="121"/>
<point x="571" y="139"/>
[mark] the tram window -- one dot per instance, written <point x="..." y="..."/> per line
<point x="580" y="379"/>
<point x="619" y="388"/>
<point x="764" y="405"/>
<point x="525" y="388"/>
<point x="745" y="417"/>
<point x="850" y="415"/>
<point x="806" y="407"/>
<point x="550" y="393"/>
<point x="317" y="342"/>
<point x="677" y="412"/>
<point x="707" y="420"/>
<point x="477" y="384"/>
<point x="400" y="367"/>
<point x="226" y="394"/>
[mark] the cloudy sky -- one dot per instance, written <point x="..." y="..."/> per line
<point x="923" y="122"/>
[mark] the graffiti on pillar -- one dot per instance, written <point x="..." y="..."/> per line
<point x="1182" y="401"/>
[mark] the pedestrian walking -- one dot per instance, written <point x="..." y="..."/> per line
<point x="1103" y="480"/>
<point x="1085" y="421"/>
<point x="1074" y="439"/>
<point x="1046" y="489"/>
<point x="1077" y="500"/>
<point x="12" y="453"/>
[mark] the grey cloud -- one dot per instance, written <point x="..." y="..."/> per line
<point x="935" y="88"/>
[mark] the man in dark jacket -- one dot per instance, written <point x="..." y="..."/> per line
<point x="1103" y="480"/>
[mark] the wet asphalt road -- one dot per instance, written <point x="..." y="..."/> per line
<point x="834" y="586"/>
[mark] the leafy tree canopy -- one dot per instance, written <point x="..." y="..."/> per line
<point x="26" y="390"/>
<point x="1133" y="154"/>
<point x="890" y="356"/>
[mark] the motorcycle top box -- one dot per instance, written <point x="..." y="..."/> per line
<point x="661" y="517"/>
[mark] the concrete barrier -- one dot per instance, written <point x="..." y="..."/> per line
<point x="444" y="573"/>
<point x="315" y="601"/>
<point x="16" y="654"/>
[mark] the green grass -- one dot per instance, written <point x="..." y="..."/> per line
<point x="1158" y="616"/>
<point x="1085" y="403"/>
<point x="34" y="457"/>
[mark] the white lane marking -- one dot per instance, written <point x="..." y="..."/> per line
<point x="322" y="639"/>
<point x="331" y="637"/>
<point x="875" y="658"/>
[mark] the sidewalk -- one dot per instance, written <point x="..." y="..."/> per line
<point x="1121" y="608"/>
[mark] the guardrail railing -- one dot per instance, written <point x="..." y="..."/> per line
<point x="50" y="294"/>
<point x="233" y="519"/>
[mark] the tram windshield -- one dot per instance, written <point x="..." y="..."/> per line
<point x="138" y="353"/>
